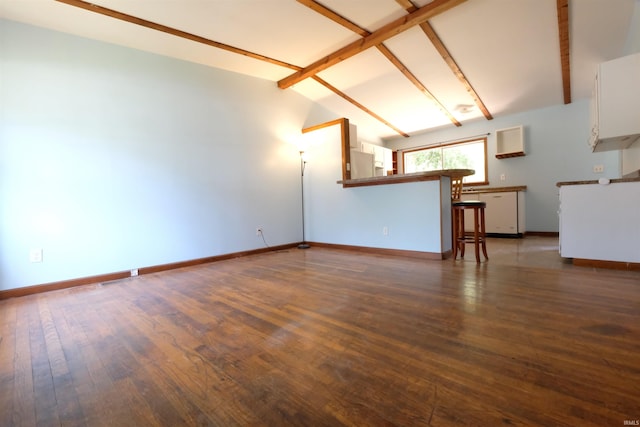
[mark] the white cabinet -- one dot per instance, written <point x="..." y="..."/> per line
<point x="504" y="213"/>
<point x="615" y="103"/>
<point x="382" y="157"/>
<point x="366" y="147"/>
<point x="600" y="222"/>
<point x="353" y="136"/>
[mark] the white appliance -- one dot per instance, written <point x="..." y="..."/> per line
<point x="361" y="164"/>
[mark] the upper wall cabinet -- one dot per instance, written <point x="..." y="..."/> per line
<point x="382" y="157"/>
<point x="353" y="136"/>
<point x="509" y="142"/>
<point x="615" y="104"/>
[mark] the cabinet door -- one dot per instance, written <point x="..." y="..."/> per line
<point x="501" y="213"/>
<point x="378" y="155"/>
<point x="388" y="161"/>
<point x="594" y="115"/>
<point x="619" y="97"/>
<point x="365" y="147"/>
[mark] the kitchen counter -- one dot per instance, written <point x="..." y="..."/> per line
<point x="599" y="223"/>
<point x="613" y="181"/>
<point x="409" y="177"/>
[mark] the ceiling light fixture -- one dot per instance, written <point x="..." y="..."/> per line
<point x="464" y="108"/>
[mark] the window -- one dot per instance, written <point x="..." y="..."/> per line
<point x="470" y="154"/>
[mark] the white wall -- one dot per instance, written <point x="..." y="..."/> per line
<point x="632" y="44"/>
<point x="556" y="150"/>
<point x="631" y="156"/>
<point x="113" y="159"/>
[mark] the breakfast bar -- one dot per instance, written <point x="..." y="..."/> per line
<point x="409" y="177"/>
<point x="413" y="218"/>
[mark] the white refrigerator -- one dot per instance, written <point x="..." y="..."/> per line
<point x="361" y="165"/>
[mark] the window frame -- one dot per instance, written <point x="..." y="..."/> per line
<point x="449" y="144"/>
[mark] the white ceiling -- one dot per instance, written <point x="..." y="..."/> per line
<point x="508" y="49"/>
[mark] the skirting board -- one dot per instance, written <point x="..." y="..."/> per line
<point x="109" y="277"/>
<point x="383" y="251"/>
<point x="102" y="278"/>
<point x="612" y="265"/>
<point x="542" y="233"/>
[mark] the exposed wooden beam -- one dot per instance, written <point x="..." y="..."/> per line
<point x="360" y="106"/>
<point x="328" y="13"/>
<point x="406" y="4"/>
<point x="387" y="31"/>
<point x="565" y="58"/>
<point x="185" y="35"/>
<point x="168" y="30"/>
<point x="448" y="59"/>
<point x="444" y="52"/>
<point x="408" y="74"/>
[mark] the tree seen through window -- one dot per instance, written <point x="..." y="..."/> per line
<point x="461" y="155"/>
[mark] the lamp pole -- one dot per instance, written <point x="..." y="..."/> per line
<point x="303" y="164"/>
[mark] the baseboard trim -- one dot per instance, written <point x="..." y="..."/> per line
<point x="207" y="260"/>
<point x="384" y="251"/>
<point x="542" y="233"/>
<point x="109" y="277"/>
<point x="612" y="265"/>
<point x="64" y="284"/>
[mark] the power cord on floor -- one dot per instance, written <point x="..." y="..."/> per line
<point x="263" y="239"/>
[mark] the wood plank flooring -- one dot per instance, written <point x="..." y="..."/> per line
<point x="324" y="337"/>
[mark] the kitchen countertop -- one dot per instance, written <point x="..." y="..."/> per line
<point x="409" y="177"/>
<point x="595" y="181"/>
<point x="474" y="190"/>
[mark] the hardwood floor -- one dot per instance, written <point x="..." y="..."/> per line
<point x="324" y="337"/>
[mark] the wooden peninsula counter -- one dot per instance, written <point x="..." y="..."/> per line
<point x="404" y="178"/>
<point x="412" y="219"/>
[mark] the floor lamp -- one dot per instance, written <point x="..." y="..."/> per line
<point x="303" y="164"/>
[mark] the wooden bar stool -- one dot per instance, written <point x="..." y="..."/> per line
<point x="478" y="237"/>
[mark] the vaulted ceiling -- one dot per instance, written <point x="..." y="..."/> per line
<point x="394" y="67"/>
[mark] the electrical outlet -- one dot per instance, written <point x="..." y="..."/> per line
<point x="258" y="231"/>
<point x="385" y="231"/>
<point x="503" y="177"/>
<point x="35" y="255"/>
<point x="134" y="272"/>
<point x="598" y="168"/>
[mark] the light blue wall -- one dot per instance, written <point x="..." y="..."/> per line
<point x="556" y="150"/>
<point x="113" y="159"/>
<point x="411" y="212"/>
